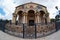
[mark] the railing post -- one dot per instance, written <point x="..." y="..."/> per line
<point x="35" y="32"/>
<point x="23" y="30"/>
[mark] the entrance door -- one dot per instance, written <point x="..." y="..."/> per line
<point x="31" y="22"/>
<point x="29" y="30"/>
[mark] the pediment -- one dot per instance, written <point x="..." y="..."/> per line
<point x="30" y="5"/>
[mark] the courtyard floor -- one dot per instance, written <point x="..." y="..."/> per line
<point x="54" y="36"/>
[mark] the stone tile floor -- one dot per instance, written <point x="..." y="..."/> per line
<point x="54" y="36"/>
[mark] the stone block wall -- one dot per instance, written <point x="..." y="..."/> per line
<point x="41" y="30"/>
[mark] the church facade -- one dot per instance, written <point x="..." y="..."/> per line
<point x="31" y="13"/>
<point x="32" y="21"/>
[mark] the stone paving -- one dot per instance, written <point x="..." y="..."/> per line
<point x="54" y="36"/>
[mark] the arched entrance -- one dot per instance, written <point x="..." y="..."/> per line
<point x="42" y="16"/>
<point x="20" y="16"/>
<point x="29" y="30"/>
<point x="31" y="17"/>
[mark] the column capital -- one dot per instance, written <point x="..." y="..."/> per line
<point x="46" y="15"/>
<point x="14" y="15"/>
<point x="24" y="14"/>
<point x="14" y="18"/>
<point x="37" y="13"/>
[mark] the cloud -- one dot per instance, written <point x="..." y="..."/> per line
<point x="50" y="4"/>
<point x="1" y="16"/>
<point x="2" y="11"/>
<point x="9" y="6"/>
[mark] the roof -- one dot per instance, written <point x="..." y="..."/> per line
<point x="31" y="3"/>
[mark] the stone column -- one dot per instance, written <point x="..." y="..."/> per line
<point x="24" y="17"/>
<point x="37" y="17"/>
<point x="40" y="18"/>
<point x="19" y="19"/>
<point x="44" y="18"/>
<point x="14" y="18"/>
<point x="48" y="19"/>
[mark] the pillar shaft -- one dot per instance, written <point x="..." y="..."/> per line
<point x="14" y="18"/>
<point x="44" y="18"/>
<point x="37" y="17"/>
<point x="24" y="17"/>
<point x="47" y="17"/>
<point x="38" y="21"/>
<point x="19" y="19"/>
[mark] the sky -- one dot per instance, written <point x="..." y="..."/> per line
<point x="7" y="7"/>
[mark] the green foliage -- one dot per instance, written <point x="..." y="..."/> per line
<point x="0" y="20"/>
<point x="52" y="20"/>
<point x="57" y="17"/>
<point x="7" y="21"/>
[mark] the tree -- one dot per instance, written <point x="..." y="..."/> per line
<point x="57" y="17"/>
<point x="52" y="20"/>
<point x="6" y="21"/>
<point x="1" y="20"/>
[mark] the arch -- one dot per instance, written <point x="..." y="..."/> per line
<point x="42" y="16"/>
<point x="20" y="12"/>
<point x="42" y="12"/>
<point x="31" y="17"/>
<point x="31" y="13"/>
<point x="20" y="15"/>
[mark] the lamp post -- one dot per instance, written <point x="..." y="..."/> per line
<point x="58" y="15"/>
<point x="56" y="7"/>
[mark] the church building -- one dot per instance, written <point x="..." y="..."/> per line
<point x="30" y="20"/>
<point x="31" y="13"/>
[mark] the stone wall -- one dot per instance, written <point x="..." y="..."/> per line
<point x="41" y="30"/>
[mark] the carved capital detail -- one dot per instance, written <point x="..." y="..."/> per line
<point x="14" y="15"/>
<point x="37" y="13"/>
<point x="24" y="14"/>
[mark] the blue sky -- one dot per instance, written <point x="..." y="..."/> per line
<point x="2" y="11"/>
<point x="7" y="7"/>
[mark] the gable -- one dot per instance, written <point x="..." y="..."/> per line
<point x="30" y="5"/>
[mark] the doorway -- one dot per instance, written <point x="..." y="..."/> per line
<point x="31" y="22"/>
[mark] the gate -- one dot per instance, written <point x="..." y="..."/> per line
<point x="29" y="31"/>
